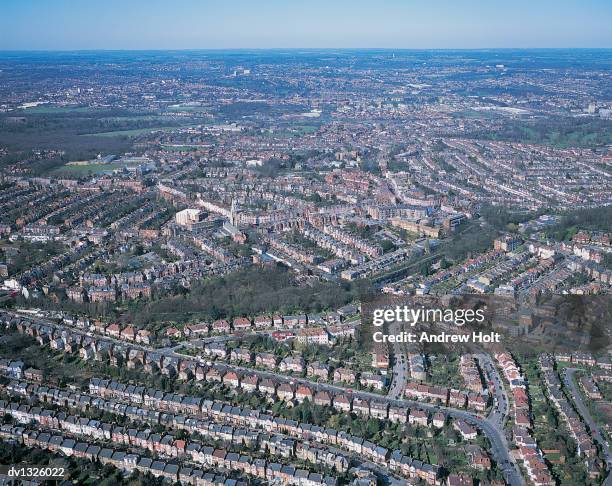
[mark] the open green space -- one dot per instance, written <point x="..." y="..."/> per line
<point x="247" y="292"/>
<point x="304" y="129"/>
<point x="30" y="254"/>
<point x="188" y="108"/>
<point x="87" y="169"/>
<point x="51" y="109"/>
<point x="134" y="132"/>
<point x="444" y="371"/>
<point x="180" y="148"/>
<point x="559" y="132"/>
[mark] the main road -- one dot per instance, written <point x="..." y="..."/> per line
<point x="501" y="404"/>
<point x="399" y="373"/>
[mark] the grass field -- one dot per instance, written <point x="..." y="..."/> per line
<point x="186" y="108"/>
<point x="133" y="133"/>
<point x="180" y="148"/>
<point x="83" y="170"/>
<point x="304" y="129"/>
<point x="137" y="118"/>
<point x="50" y="109"/>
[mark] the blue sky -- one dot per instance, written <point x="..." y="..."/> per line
<point x="217" y="24"/>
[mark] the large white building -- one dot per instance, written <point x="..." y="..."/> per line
<point x="188" y="217"/>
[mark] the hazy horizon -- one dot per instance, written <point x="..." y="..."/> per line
<point x="315" y="49"/>
<point x="65" y="25"/>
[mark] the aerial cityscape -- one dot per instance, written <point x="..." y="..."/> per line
<point x="211" y="262"/>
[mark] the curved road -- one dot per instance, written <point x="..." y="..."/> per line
<point x="596" y="434"/>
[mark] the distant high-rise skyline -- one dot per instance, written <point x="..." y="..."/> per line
<point x="193" y="24"/>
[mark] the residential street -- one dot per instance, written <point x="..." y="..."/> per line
<point x="499" y="447"/>
<point x="570" y="382"/>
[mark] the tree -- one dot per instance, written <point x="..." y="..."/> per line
<point x="387" y="245"/>
<point x="424" y="268"/>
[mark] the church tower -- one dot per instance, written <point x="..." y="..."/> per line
<point x="233" y="213"/>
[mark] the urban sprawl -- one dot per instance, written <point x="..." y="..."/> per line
<point x="187" y="241"/>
